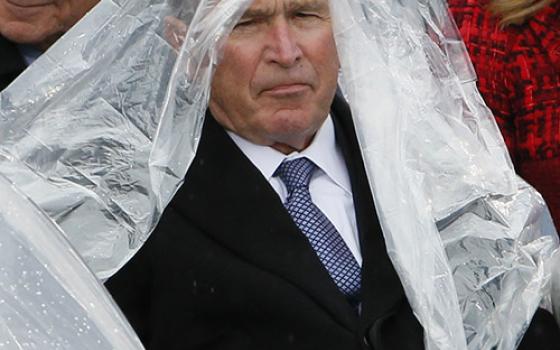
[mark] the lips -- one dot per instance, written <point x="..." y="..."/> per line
<point x="287" y="89"/>
<point x="284" y="87"/>
<point x="30" y="3"/>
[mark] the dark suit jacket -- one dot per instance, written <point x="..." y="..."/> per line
<point x="227" y="268"/>
<point x="11" y="62"/>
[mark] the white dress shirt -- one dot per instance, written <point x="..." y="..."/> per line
<point x="329" y="186"/>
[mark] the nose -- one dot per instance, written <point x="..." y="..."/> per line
<point x="283" y="48"/>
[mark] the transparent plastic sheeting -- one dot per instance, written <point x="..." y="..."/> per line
<point x="100" y="131"/>
<point x="555" y="286"/>
<point x="433" y="153"/>
<point x="48" y="297"/>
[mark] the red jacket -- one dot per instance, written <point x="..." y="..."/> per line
<point x="518" y="72"/>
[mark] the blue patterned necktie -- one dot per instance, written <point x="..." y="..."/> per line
<point x="323" y="236"/>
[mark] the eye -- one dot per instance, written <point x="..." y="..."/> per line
<point x="245" y="23"/>
<point x="250" y="22"/>
<point x="305" y="14"/>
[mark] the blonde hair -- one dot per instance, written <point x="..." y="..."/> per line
<point x="516" y="11"/>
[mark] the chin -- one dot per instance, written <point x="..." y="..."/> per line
<point x="26" y="33"/>
<point x="292" y="123"/>
<point x="298" y="115"/>
<point x="291" y="127"/>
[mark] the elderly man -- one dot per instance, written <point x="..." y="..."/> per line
<point x="29" y="27"/>
<point x="271" y="242"/>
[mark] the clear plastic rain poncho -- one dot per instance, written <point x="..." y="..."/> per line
<point x="97" y="135"/>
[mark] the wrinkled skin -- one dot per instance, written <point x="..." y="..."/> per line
<point x="278" y="76"/>
<point x="40" y="22"/>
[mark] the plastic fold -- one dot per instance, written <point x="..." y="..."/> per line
<point x="48" y="297"/>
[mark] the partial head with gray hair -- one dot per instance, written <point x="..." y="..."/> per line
<point x="40" y="22"/>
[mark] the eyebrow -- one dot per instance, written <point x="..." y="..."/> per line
<point x="265" y="11"/>
<point x="308" y="5"/>
<point x="293" y="6"/>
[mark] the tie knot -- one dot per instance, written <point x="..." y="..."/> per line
<point x="296" y="173"/>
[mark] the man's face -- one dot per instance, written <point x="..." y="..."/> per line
<point x="40" y="22"/>
<point x="278" y="75"/>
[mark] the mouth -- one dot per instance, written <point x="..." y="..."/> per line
<point x="30" y="3"/>
<point x="286" y="90"/>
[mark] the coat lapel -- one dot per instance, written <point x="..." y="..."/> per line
<point x="381" y="288"/>
<point x="11" y="62"/>
<point x="230" y="200"/>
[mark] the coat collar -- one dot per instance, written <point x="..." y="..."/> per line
<point x="11" y="62"/>
<point x="251" y="221"/>
<point x="382" y="290"/>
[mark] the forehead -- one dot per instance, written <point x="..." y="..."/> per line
<point x="274" y="6"/>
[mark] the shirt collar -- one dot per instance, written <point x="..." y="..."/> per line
<point x="29" y="53"/>
<point x="323" y="151"/>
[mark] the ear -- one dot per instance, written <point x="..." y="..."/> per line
<point x="175" y="32"/>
